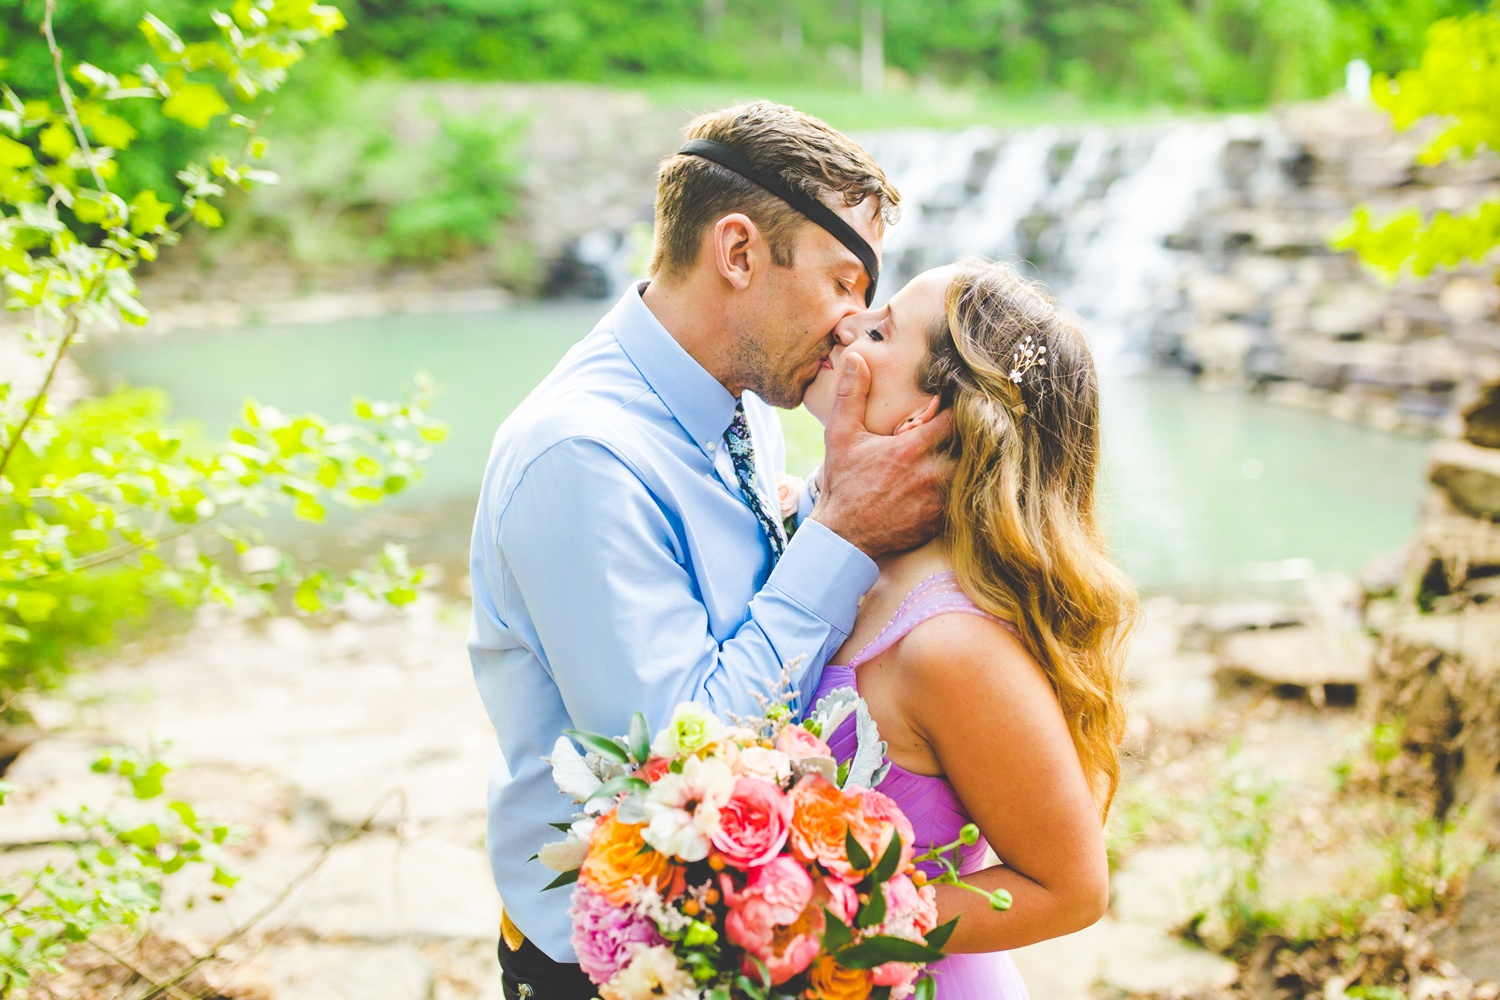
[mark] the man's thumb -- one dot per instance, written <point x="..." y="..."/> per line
<point x="853" y="392"/>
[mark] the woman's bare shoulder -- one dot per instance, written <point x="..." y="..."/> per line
<point x="956" y="659"/>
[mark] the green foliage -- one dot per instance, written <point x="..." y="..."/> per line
<point x="1213" y="53"/>
<point x="112" y="879"/>
<point x="90" y="497"/>
<point x="387" y="179"/>
<point x="1457" y="81"/>
<point x="1238" y="831"/>
<point x="1424" y="858"/>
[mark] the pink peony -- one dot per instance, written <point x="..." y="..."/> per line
<point x="606" y="936"/>
<point x="753" y="824"/>
<point x="773" y="918"/>
<point x="775" y="895"/>
<point x="793" y="948"/>
<point x="797" y="743"/>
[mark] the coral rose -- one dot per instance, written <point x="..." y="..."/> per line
<point x="821" y="816"/>
<point x="618" y="855"/>
<point x="753" y="824"/>
<point x="797" y="743"/>
<point x="828" y="980"/>
<point x="839" y="898"/>
<point x="897" y="975"/>
<point x="885" y="817"/>
<point x="654" y="769"/>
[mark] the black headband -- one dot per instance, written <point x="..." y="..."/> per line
<point x="732" y="159"/>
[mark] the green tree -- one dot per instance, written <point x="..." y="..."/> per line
<point x="89" y="497"/>
<point x="1458" y="81"/>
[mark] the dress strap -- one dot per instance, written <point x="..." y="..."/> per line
<point x="939" y="594"/>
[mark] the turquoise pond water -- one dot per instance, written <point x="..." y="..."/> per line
<point x="1202" y="490"/>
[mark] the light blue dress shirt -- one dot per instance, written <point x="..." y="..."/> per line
<point x="616" y="568"/>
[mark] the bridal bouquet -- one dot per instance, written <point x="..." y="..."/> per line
<point x="726" y="860"/>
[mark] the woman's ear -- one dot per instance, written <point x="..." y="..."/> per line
<point x="920" y="417"/>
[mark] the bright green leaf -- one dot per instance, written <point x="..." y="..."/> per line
<point x="195" y="105"/>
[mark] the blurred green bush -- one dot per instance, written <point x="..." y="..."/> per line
<point x="1198" y="53"/>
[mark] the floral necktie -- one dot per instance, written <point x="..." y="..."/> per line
<point x="742" y="453"/>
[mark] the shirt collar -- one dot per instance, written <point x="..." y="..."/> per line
<point x="696" y="400"/>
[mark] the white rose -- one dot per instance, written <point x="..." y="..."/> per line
<point x="766" y="764"/>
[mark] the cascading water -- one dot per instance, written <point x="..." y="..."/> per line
<point x="1087" y="209"/>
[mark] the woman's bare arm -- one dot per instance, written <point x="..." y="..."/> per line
<point x="988" y="712"/>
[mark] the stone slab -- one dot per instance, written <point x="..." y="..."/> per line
<point x="1469" y="474"/>
<point x="1141" y="959"/>
<point x="1303" y="655"/>
<point x="298" y="971"/>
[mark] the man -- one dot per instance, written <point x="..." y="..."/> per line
<point x="628" y="553"/>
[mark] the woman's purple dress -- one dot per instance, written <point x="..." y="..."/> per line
<point x="930" y="803"/>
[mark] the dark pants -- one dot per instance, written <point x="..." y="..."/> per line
<point x="546" y="979"/>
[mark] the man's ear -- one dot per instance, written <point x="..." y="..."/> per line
<point x="736" y="244"/>
<point x="920" y="417"/>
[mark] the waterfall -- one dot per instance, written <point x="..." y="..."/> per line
<point x="1088" y="209"/>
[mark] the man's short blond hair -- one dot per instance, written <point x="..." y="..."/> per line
<point x="692" y="193"/>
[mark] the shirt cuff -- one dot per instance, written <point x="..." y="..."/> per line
<point x="824" y="574"/>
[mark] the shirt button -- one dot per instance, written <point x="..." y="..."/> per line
<point x="711" y="445"/>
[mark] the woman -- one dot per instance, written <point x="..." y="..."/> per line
<point x="991" y="657"/>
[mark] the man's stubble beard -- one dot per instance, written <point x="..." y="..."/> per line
<point x="755" y="370"/>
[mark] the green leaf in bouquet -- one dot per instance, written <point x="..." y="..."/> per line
<point x="926" y="989"/>
<point x="603" y="746"/>
<point x="857" y="856"/>
<point x="889" y="860"/>
<point x="880" y="993"/>
<point x="872" y="914"/>
<point x="561" y="827"/>
<point x="939" y="935"/>
<point x="614" y="786"/>
<point x="566" y="878"/>
<point x="878" y="950"/>
<point x="640" y="738"/>
<point x="836" y="933"/>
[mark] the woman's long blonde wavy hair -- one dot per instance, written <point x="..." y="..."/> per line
<point x="1021" y="527"/>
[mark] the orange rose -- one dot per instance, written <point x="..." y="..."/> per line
<point x="828" y="980"/>
<point x="821" y="816"/>
<point x="617" y="855"/>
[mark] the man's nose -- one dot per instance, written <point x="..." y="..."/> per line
<point x="847" y="330"/>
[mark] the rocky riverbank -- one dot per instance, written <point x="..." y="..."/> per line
<point x="1263" y="302"/>
<point x="355" y="756"/>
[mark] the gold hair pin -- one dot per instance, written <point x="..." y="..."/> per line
<point x="1027" y="357"/>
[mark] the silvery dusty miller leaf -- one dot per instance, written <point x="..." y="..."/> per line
<point x="869" y="765"/>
